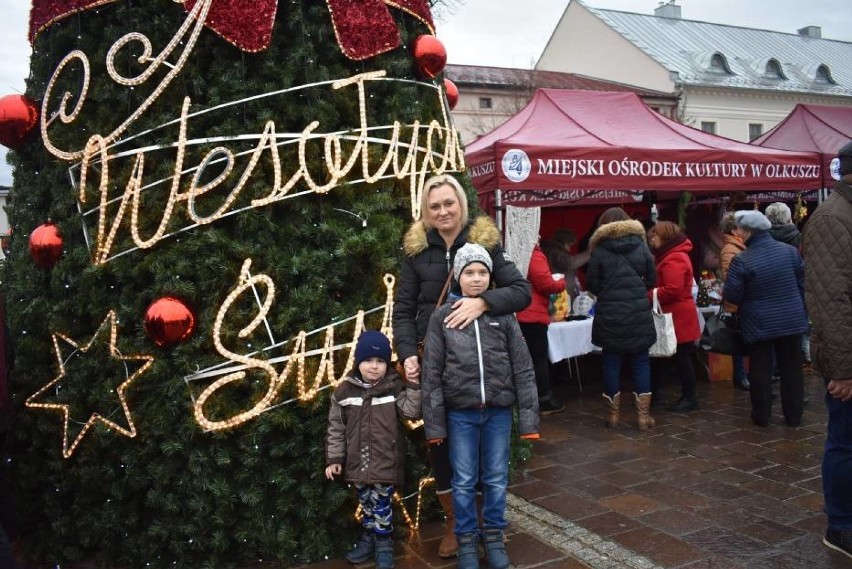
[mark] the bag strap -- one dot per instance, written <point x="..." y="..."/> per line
<point x="656" y="306"/>
<point x="444" y="291"/>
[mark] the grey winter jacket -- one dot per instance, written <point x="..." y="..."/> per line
<point x="828" y="283"/>
<point x="364" y="431"/>
<point x="620" y="273"/>
<point x="425" y="269"/>
<point x="487" y="364"/>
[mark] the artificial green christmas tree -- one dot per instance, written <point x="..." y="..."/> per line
<point x="203" y="219"/>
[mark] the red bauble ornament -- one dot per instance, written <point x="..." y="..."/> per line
<point x="18" y="116"/>
<point x="169" y="321"/>
<point x="430" y="56"/>
<point x="452" y="93"/>
<point x="46" y="245"/>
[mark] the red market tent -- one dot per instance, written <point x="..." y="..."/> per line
<point x="570" y="146"/>
<point x="812" y="128"/>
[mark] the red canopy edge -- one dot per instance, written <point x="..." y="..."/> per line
<point x="812" y="128"/>
<point x="591" y="141"/>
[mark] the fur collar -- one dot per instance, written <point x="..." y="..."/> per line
<point x="617" y="229"/>
<point x="482" y="231"/>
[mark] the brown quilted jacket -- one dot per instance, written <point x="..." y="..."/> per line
<point x="828" y="283"/>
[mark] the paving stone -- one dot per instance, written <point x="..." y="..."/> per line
<point x="659" y="547"/>
<point x="609" y="524"/>
<point x="674" y="522"/>
<point x="631" y="505"/>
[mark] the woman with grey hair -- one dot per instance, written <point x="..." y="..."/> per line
<point x="783" y="229"/>
<point x="766" y="282"/>
<point x="430" y="246"/>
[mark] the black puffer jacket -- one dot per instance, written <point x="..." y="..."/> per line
<point x="425" y="269"/>
<point x="620" y="274"/>
<point x="786" y="233"/>
<point x="485" y="364"/>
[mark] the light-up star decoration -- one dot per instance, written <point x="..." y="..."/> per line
<point x="33" y="402"/>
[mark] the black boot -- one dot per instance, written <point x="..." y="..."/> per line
<point x="742" y="385"/>
<point x="684" y="404"/>
<point x="364" y="549"/>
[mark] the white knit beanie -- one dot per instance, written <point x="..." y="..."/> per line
<point x="470" y="253"/>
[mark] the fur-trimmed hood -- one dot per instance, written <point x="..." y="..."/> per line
<point x="483" y="231"/>
<point x="616" y="230"/>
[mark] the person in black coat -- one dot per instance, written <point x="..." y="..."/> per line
<point x="620" y="273"/>
<point x="430" y="246"/>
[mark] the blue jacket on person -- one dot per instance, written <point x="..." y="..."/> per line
<point x="766" y="282"/>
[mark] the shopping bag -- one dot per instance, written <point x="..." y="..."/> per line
<point x="721" y="335"/>
<point x="559" y="306"/>
<point x="666" y="344"/>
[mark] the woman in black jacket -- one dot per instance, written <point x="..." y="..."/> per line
<point x="620" y="274"/>
<point x="430" y="246"/>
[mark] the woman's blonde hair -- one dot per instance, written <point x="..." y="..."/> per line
<point x="435" y="182"/>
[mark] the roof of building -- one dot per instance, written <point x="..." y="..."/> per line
<point x="503" y="77"/>
<point x="748" y="59"/>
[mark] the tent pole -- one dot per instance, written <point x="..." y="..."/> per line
<point x="498" y="209"/>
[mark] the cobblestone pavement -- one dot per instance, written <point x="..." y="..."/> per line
<point x="702" y="490"/>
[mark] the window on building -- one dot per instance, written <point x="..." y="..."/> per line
<point x="718" y="64"/>
<point x="755" y="130"/>
<point x="708" y="126"/>
<point x="773" y="70"/>
<point x="823" y="75"/>
<point x="485" y="102"/>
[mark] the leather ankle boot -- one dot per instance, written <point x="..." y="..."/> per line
<point x="449" y="544"/>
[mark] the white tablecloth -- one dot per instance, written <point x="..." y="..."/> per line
<point x="569" y="339"/>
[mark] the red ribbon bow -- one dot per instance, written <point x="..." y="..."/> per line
<point x="364" y="28"/>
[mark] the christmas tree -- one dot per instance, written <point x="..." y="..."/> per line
<point x="207" y="210"/>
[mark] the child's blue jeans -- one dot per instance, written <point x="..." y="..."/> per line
<point x="479" y="443"/>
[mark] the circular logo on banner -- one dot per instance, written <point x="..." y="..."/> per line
<point x="834" y="168"/>
<point x="516" y="165"/>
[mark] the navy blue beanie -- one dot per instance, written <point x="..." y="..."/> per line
<point x="372" y="343"/>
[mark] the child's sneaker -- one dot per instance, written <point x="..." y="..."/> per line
<point x="839" y="540"/>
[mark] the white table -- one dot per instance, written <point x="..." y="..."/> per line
<point x="570" y="339"/>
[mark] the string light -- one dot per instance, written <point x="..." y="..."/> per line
<point x="305" y="390"/>
<point x="198" y="14"/>
<point x="109" y="323"/>
<point x="422" y="157"/>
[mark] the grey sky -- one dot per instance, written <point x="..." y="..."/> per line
<point x="502" y="33"/>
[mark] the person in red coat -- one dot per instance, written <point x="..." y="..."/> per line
<point x="534" y="320"/>
<point x="674" y="291"/>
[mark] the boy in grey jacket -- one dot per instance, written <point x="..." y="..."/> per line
<point x="365" y="438"/>
<point x="472" y="379"/>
